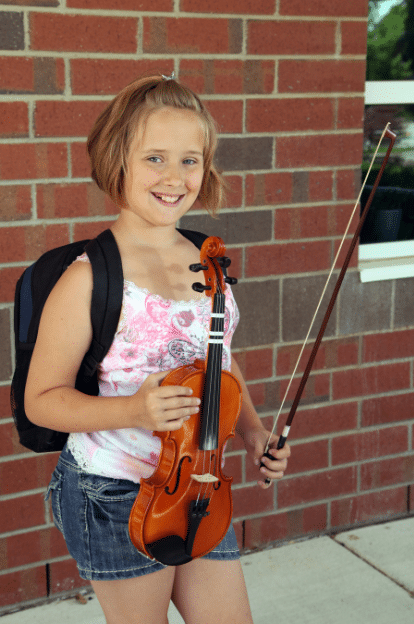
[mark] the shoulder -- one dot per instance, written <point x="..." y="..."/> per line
<point x="74" y="287"/>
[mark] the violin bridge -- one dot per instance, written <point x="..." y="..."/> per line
<point x="204" y="478"/>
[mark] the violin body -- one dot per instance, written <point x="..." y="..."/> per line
<point x="161" y="523"/>
<point x="184" y="509"/>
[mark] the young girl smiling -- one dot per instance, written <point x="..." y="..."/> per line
<point x="152" y="151"/>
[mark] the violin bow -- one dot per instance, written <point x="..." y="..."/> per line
<point x="283" y="437"/>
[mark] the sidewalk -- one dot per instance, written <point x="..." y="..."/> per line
<point x="361" y="576"/>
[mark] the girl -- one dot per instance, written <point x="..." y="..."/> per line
<point x="152" y="151"/>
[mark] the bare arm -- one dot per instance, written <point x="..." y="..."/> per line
<point x="65" y="333"/>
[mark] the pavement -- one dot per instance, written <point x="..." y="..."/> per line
<point x="357" y="577"/>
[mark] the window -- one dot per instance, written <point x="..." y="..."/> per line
<point x="386" y="248"/>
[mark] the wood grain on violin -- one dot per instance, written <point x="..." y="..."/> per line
<point x="185" y="508"/>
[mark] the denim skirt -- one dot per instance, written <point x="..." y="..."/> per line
<point x="92" y="512"/>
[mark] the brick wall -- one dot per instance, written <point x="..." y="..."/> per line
<point x="285" y="81"/>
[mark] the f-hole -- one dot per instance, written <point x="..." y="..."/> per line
<point x="177" y="483"/>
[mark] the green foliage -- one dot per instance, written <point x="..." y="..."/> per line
<point x="387" y="44"/>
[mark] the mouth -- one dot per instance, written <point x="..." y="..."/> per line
<point x="168" y="200"/>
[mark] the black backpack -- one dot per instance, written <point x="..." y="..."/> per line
<point x="32" y="290"/>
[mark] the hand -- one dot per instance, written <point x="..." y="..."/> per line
<point x="162" y="408"/>
<point x="255" y="441"/>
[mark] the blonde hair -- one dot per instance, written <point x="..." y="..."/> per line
<point x="110" y="138"/>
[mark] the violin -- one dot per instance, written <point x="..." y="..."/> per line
<point x="185" y="508"/>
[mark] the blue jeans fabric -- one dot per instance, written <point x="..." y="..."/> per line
<point x="92" y="513"/>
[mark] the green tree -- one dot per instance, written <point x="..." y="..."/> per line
<point x="387" y="44"/>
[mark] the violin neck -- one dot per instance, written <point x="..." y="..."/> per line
<point x="210" y="410"/>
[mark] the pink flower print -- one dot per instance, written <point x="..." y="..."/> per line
<point x="184" y="319"/>
<point x="129" y="355"/>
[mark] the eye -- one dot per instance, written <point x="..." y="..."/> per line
<point x="154" y="159"/>
<point x="190" y="161"/>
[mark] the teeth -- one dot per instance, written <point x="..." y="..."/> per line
<point x="168" y="198"/>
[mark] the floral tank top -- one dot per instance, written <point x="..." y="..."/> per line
<point x="153" y="335"/>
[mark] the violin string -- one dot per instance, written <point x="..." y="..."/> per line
<point x="325" y="288"/>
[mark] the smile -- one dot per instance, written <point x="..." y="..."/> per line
<point x="168" y="200"/>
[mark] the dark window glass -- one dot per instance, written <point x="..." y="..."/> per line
<point x="390" y="56"/>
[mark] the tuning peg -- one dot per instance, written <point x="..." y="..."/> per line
<point x="198" y="267"/>
<point x="198" y="287"/>
<point x="224" y="262"/>
<point x="230" y="280"/>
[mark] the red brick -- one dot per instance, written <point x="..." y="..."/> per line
<point x="5" y="410"/>
<point x="315" y="151"/>
<point x="191" y="35"/>
<point x="387" y="409"/>
<point x="350" y="113"/>
<point x="321" y="76"/>
<point x="387" y="472"/>
<point x="64" y="576"/>
<point x="83" y="231"/>
<point x="258" y="7"/>
<point x="14" y="119"/>
<point x="234" y="191"/>
<point x="310" y="488"/>
<point x="125" y="5"/>
<point x="32" y="547"/>
<point x="257" y="364"/>
<point x="81" y="167"/>
<point x="287" y="258"/>
<point x="354" y="38"/>
<point x="371" y="380"/>
<point x="96" y="76"/>
<point x="23" y="585"/>
<point x="83" y="33"/>
<point x="324" y="420"/>
<point x="368" y="507"/>
<point x="66" y="118"/>
<point x="312" y="222"/>
<point x="15" y="203"/>
<point x="26" y="161"/>
<point x="291" y="37"/>
<point x="369" y="444"/>
<point x="32" y="75"/>
<point x="21" y="513"/>
<point x="261" y="532"/>
<point x="73" y="200"/>
<point x="228" y="76"/>
<point x="249" y="500"/>
<point x="316" y="389"/>
<point x="268" y="189"/>
<point x="30" y="243"/>
<point x="320" y="185"/>
<point x="389" y="346"/>
<point x="9" y="441"/>
<point x="348" y="183"/>
<point x="324" y="8"/>
<point x="290" y="114"/>
<point x="17" y="74"/>
<point x="21" y="475"/>
<point x="228" y="114"/>
<point x="331" y="354"/>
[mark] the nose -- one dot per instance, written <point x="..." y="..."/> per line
<point x="173" y="174"/>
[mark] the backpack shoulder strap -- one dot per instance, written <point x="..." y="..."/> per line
<point x="197" y="238"/>
<point x="107" y="293"/>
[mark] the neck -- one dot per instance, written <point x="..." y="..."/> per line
<point x="145" y="235"/>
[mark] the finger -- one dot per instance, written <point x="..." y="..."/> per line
<point x="172" y="391"/>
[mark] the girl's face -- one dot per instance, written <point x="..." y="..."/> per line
<point x="165" y="166"/>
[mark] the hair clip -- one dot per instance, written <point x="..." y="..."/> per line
<point x="172" y="77"/>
